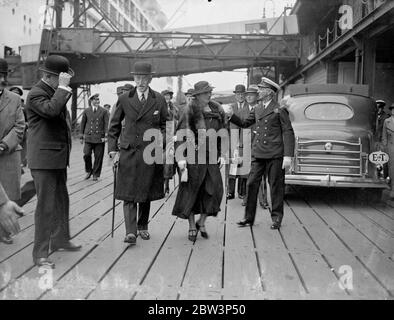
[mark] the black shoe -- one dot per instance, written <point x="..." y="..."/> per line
<point x="69" y="246"/>
<point x="230" y="196"/>
<point x="95" y="178"/>
<point x="244" y="223"/>
<point x="275" y="225"/>
<point x="204" y="234"/>
<point x="264" y="205"/>
<point x="144" y="234"/>
<point x="44" y="262"/>
<point x="130" y="239"/>
<point x="6" y="239"/>
<point x="88" y="175"/>
<point x="192" y="235"/>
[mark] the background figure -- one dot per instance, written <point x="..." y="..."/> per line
<point x="203" y="192"/>
<point x="173" y="117"/>
<point x="138" y="183"/>
<point x="49" y="145"/>
<point x="240" y="108"/>
<point x="108" y="108"/>
<point x="12" y="128"/>
<point x="94" y="130"/>
<point x="388" y="144"/>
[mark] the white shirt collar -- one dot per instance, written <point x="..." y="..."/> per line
<point x="145" y="93"/>
<point x="266" y="104"/>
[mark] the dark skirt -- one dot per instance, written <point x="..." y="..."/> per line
<point x="202" y="194"/>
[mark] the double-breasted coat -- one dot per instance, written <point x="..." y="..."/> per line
<point x="12" y="127"/>
<point x="274" y="133"/>
<point x="137" y="180"/>
<point x="203" y="192"/>
<point x="388" y="143"/>
<point x="94" y="125"/>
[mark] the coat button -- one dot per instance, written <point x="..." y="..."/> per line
<point x="265" y="121"/>
<point x="265" y="128"/>
<point x="265" y="141"/>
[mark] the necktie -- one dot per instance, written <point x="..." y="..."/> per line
<point x="143" y="99"/>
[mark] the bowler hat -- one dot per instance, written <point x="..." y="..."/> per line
<point x="189" y="92"/>
<point x="17" y="90"/>
<point x="239" y="88"/>
<point x="267" y="83"/>
<point x="56" y="64"/>
<point x="392" y="106"/>
<point x="3" y="66"/>
<point x="142" y="68"/>
<point x="253" y="89"/>
<point x="164" y="92"/>
<point x="201" y="87"/>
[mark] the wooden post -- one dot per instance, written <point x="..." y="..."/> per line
<point x="369" y="63"/>
<point x="58" y="11"/>
<point x="76" y="13"/>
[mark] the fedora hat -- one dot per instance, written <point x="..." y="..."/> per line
<point x="189" y="92"/>
<point x="17" y="90"/>
<point x="164" y="92"/>
<point x="253" y="89"/>
<point x="56" y="64"/>
<point x="143" y="68"/>
<point x="201" y="87"/>
<point x="239" y="88"/>
<point x="267" y="83"/>
<point x="4" y="66"/>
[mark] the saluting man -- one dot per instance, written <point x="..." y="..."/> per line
<point x="272" y="151"/>
<point x="138" y="181"/>
<point x="94" y="130"/>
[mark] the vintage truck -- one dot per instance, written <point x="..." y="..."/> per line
<point x="334" y="126"/>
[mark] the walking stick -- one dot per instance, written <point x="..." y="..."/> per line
<point x="114" y="169"/>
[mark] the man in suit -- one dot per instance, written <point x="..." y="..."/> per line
<point x="94" y="130"/>
<point x="238" y="107"/>
<point x="48" y="155"/>
<point x="272" y="150"/>
<point x="138" y="181"/>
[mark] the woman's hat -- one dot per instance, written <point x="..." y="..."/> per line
<point x="239" y="88"/>
<point x="56" y="64"/>
<point x="128" y="87"/>
<point x="267" y="83"/>
<point x="143" y="68"/>
<point x="201" y="87"/>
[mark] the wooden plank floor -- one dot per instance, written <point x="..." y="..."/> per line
<point x="325" y="235"/>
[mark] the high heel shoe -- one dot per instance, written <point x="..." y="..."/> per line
<point x="204" y="234"/>
<point x="192" y="235"/>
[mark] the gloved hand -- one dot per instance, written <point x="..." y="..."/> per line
<point x="286" y="163"/>
<point x="104" y="140"/>
<point x="221" y="162"/>
<point x="64" y="79"/>
<point x="182" y="165"/>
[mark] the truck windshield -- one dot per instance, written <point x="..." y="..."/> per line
<point x="328" y="111"/>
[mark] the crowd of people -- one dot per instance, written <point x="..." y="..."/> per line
<point x="42" y="130"/>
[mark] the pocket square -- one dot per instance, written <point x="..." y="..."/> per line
<point x="156" y="112"/>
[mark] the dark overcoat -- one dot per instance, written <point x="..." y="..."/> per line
<point x="274" y="132"/>
<point x="203" y="192"/>
<point x="49" y="134"/>
<point x="12" y="127"/>
<point x="137" y="180"/>
<point x="94" y="125"/>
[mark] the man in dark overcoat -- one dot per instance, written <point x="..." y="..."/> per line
<point x="272" y="151"/>
<point x="238" y="108"/>
<point x="94" y="130"/>
<point x="48" y="155"/>
<point x="138" y="181"/>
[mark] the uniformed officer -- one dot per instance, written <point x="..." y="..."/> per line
<point x="272" y="151"/>
<point x="94" y="130"/>
<point x="380" y="117"/>
<point x="388" y="144"/>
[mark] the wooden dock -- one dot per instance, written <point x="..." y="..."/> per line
<point x="326" y="236"/>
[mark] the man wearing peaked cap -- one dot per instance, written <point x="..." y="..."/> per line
<point x="94" y="130"/>
<point x="272" y="150"/>
<point x="48" y="154"/>
<point x="138" y="181"/>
